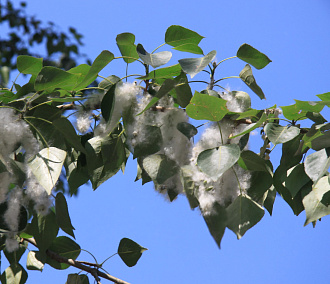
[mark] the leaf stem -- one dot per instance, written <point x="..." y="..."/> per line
<point x="226" y="59"/>
<point x="224" y="78"/>
<point x="220" y="131"/>
<point x="158" y="47"/>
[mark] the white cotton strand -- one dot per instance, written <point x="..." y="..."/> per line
<point x="83" y="121"/>
<point x="11" y="216"/>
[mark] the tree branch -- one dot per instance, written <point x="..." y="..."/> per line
<point x="93" y="271"/>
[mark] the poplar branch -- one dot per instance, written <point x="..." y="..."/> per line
<point x="93" y="271"/>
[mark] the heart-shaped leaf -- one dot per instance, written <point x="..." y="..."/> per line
<point x="205" y="107"/>
<point x="130" y="251"/>
<point x="215" y="162"/>
<point x="125" y="42"/>
<point x="278" y="134"/>
<point x="176" y="35"/>
<point x="28" y="64"/>
<point x="47" y="166"/>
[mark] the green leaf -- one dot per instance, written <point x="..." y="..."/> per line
<point x="7" y="96"/>
<point x="102" y="60"/>
<point x="316" y="117"/>
<point x="32" y="262"/>
<point x="77" y="279"/>
<point x="317" y="164"/>
<point x="315" y="209"/>
<point x="253" y="162"/>
<point x="320" y="141"/>
<point x="62" y="214"/>
<point x="159" y="167"/>
<point x="176" y="35"/>
<point x="253" y="56"/>
<point x="130" y="251"/>
<point x="290" y="157"/>
<point x="260" y="182"/>
<point x="29" y="65"/>
<point x="108" y="103"/>
<point x="65" y="247"/>
<point x="125" y="43"/>
<point x="243" y="214"/>
<point x="296" y="178"/>
<point x="193" y="66"/>
<point x="182" y="90"/>
<point x="50" y="78"/>
<point x="23" y="218"/>
<point x="292" y="112"/>
<point x="187" y="129"/>
<point x="165" y="88"/>
<point x="205" y="107"/>
<point x="108" y="82"/>
<point x="47" y="166"/>
<point x="278" y="134"/>
<point x="270" y="199"/>
<point x="324" y="97"/>
<point x="189" y="47"/>
<point x="215" y="162"/>
<point x="152" y="144"/>
<point x="65" y="127"/>
<point x="247" y="76"/>
<point x="309" y="106"/>
<point x="216" y="222"/>
<point x="153" y="59"/>
<point x="14" y="274"/>
<point x="45" y="230"/>
<point x="166" y="72"/>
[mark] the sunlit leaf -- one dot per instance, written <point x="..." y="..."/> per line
<point x="28" y="64"/>
<point x="176" y="35"/>
<point x="14" y="274"/>
<point x="166" y="72"/>
<point x="315" y="209"/>
<point x="47" y="166"/>
<point x="189" y="47"/>
<point x="33" y="263"/>
<point x="205" y="107"/>
<point x="127" y="47"/>
<point x="317" y="164"/>
<point x="252" y="56"/>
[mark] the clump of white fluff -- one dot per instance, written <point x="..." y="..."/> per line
<point x="125" y="95"/>
<point x="15" y="133"/>
<point x="175" y="145"/>
<point x="83" y="121"/>
<point x="234" y="181"/>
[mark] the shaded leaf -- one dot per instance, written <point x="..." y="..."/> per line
<point x="62" y="214"/>
<point x="214" y="162"/>
<point x="66" y="128"/>
<point x="193" y="66"/>
<point x="243" y="214"/>
<point x="15" y="256"/>
<point x="108" y="82"/>
<point x="187" y="129"/>
<point x="247" y="76"/>
<point x="216" y="222"/>
<point x="155" y="59"/>
<point x="252" y="126"/>
<point x="47" y="166"/>
<point x="23" y="218"/>
<point x="253" y="56"/>
<point x="252" y="161"/>
<point x="296" y="178"/>
<point x="159" y="167"/>
<point x="278" y="134"/>
<point x="260" y="182"/>
<point x="270" y="199"/>
<point x="182" y="90"/>
<point x="189" y="185"/>
<point x="130" y="251"/>
<point x="205" y="107"/>
<point x="77" y="279"/>
<point x="108" y="103"/>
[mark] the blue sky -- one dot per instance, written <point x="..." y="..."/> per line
<point x="295" y="36"/>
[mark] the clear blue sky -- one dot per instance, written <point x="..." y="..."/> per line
<point x="295" y="35"/>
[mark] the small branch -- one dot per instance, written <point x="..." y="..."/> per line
<point x="67" y="106"/>
<point x="78" y="264"/>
